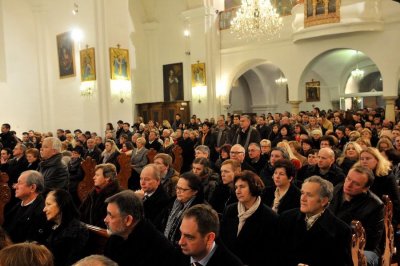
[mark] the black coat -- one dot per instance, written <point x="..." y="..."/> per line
<point x="256" y="241"/>
<point x="222" y="197"/>
<point x="187" y="146"/>
<point x="290" y="200"/>
<point x="154" y="205"/>
<point x="93" y="209"/>
<point x="144" y="246"/>
<point x="33" y="166"/>
<point x="27" y="223"/>
<point x="335" y="174"/>
<point x="240" y="137"/>
<point x="67" y="242"/>
<point x="327" y="243"/>
<point x="366" y="208"/>
<point x="55" y="173"/>
<point x="95" y="154"/>
<point x="15" y="168"/>
<point x="112" y="159"/>
<point x="8" y="140"/>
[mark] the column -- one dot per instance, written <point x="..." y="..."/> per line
<point x="389" y="108"/>
<point x="295" y="106"/>
<point x="3" y="69"/>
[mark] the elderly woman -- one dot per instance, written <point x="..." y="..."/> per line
<point x="68" y="238"/>
<point x="189" y="192"/>
<point x="247" y="227"/>
<point x="385" y="181"/>
<point x="286" y="195"/>
<point x="350" y="155"/>
<point x="138" y="161"/>
<point x="32" y="156"/>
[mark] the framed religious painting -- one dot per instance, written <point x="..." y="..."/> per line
<point x="119" y="64"/>
<point x="317" y="12"/>
<point x="313" y="91"/>
<point x="66" y="55"/>
<point x="198" y="74"/>
<point x="88" y="64"/>
<point x="173" y="82"/>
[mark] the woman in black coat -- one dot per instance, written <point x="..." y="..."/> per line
<point x="32" y="156"/>
<point x="248" y="226"/>
<point x="285" y="195"/>
<point x="68" y="238"/>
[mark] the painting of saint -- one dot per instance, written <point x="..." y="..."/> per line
<point x="119" y="64"/>
<point x="198" y="74"/>
<point x="88" y="66"/>
<point x="173" y="82"/>
<point x="66" y="60"/>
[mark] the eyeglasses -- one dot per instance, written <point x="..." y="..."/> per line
<point x="236" y="152"/>
<point x="181" y="189"/>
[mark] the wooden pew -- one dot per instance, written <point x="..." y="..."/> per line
<point x="5" y="194"/>
<point x="389" y="232"/>
<point x="150" y="155"/>
<point x="86" y="185"/>
<point x="125" y="170"/>
<point x="358" y="244"/>
<point x="98" y="238"/>
<point x="178" y="161"/>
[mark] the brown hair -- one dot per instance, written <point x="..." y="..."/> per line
<point x="26" y="254"/>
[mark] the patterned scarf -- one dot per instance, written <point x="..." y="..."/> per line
<point x="174" y="218"/>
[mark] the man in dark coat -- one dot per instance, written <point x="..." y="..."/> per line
<point x="187" y="145"/>
<point x="354" y="201"/>
<point x="154" y="197"/>
<point x="93" y="151"/>
<point x="54" y="171"/>
<point x="26" y="220"/>
<point x="93" y="209"/>
<point x="133" y="240"/>
<point x="199" y="230"/>
<point x="6" y="137"/>
<point x="312" y="235"/>
<point x="246" y="134"/>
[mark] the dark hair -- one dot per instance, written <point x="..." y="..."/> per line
<point x="208" y="124"/>
<point x="393" y="155"/>
<point x="6" y="125"/>
<point x="308" y="141"/>
<point x="329" y="139"/>
<point x="365" y="171"/>
<point x="206" y="218"/>
<point x="79" y="149"/>
<point x="226" y="148"/>
<point x="26" y="254"/>
<point x="8" y="150"/>
<point x="283" y="151"/>
<point x="311" y="151"/>
<point x="66" y="205"/>
<point x="128" y="204"/>
<point x="288" y="166"/>
<point x="35" y="152"/>
<point x="109" y="170"/>
<point x="255" y="183"/>
<point x="202" y="161"/>
<point x="194" y="182"/>
<point x="110" y="125"/>
<point x="129" y="145"/>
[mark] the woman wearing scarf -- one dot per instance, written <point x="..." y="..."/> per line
<point x="189" y="192"/>
<point x="248" y="226"/>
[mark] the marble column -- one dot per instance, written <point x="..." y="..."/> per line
<point x="295" y="106"/>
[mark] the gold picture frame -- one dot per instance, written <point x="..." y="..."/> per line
<point x="119" y="64"/>
<point x="88" y="64"/>
<point x="66" y="55"/>
<point x="313" y="93"/>
<point x="199" y="74"/>
<point x="317" y="12"/>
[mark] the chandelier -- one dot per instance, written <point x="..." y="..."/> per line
<point x="357" y="73"/>
<point x="256" y="19"/>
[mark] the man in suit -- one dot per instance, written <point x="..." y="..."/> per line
<point x="221" y="134"/>
<point x="312" y="235"/>
<point x="134" y="240"/>
<point x="246" y="134"/>
<point x="154" y="197"/>
<point x="92" y="151"/>
<point x="199" y="230"/>
<point x="207" y="138"/>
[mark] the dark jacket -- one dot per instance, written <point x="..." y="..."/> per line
<point x="75" y="173"/>
<point x="145" y="246"/>
<point x="8" y="140"/>
<point x="240" y="137"/>
<point x="258" y="165"/>
<point x="15" y="168"/>
<point x="222" y="197"/>
<point x="93" y="209"/>
<point x="187" y="146"/>
<point x="210" y="142"/>
<point x="112" y="159"/>
<point x="169" y="182"/>
<point x="290" y="200"/>
<point x="27" y="223"/>
<point x="33" y="166"/>
<point x="55" y="173"/>
<point x="156" y="145"/>
<point x="67" y="242"/>
<point x="335" y="174"/>
<point x="95" y="154"/>
<point x="154" y="204"/>
<point x="327" y="243"/>
<point x="255" y="243"/>
<point x="366" y="208"/>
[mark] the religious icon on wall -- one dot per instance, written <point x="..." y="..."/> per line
<point x="88" y="65"/>
<point x="313" y="91"/>
<point x="173" y="82"/>
<point x="318" y="12"/>
<point x="66" y="59"/>
<point x="119" y="64"/>
<point x="198" y="74"/>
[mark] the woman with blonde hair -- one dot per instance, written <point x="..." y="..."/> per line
<point x="110" y="153"/>
<point x="350" y="155"/>
<point x="384" y="144"/>
<point x="385" y="182"/>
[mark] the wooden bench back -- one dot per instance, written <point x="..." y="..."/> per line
<point x="86" y="185"/>
<point x="151" y="154"/>
<point x="358" y="244"/>
<point x="178" y="158"/>
<point x="389" y="232"/>
<point x="125" y="171"/>
<point x="5" y="194"/>
<point x="98" y="238"/>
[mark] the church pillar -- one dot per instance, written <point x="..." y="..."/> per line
<point x="295" y="106"/>
<point x="389" y="108"/>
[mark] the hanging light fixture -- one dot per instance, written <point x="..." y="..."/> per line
<point x="281" y="81"/>
<point x="357" y="73"/>
<point x="256" y="19"/>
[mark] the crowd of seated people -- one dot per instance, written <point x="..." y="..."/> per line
<point x="263" y="181"/>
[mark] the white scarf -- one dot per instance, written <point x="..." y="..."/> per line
<point x="243" y="214"/>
